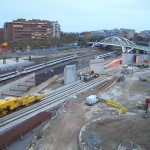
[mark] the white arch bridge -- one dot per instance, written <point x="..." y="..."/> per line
<point x="126" y="44"/>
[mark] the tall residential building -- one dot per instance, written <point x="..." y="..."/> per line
<point x="114" y="32"/>
<point x="22" y="29"/>
<point x="1" y="35"/>
<point x="99" y="33"/>
<point x="56" y="29"/>
<point x="87" y="35"/>
<point x="128" y="33"/>
<point x="145" y="33"/>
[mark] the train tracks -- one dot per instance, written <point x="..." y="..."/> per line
<point x="51" y="100"/>
<point x="34" y="68"/>
<point x="48" y="102"/>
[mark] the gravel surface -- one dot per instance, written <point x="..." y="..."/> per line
<point x="63" y="132"/>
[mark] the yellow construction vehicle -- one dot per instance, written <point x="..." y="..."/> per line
<point x="89" y="75"/>
<point x="8" y="104"/>
<point x="26" y="100"/>
<point x="120" y="109"/>
<point x="11" y="103"/>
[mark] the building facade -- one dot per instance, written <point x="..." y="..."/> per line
<point x="128" y="33"/>
<point x="1" y="35"/>
<point x="145" y="33"/>
<point x="55" y="29"/>
<point x="22" y="29"/>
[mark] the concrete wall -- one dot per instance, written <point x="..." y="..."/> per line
<point x="141" y="58"/>
<point x="128" y="58"/>
<point x="97" y="65"/>
<point x="19" y="87"/>
<point x="133" y="58"/>
<point x="70" y="74"/>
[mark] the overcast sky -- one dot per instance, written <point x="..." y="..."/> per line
<point x="81" y="15"/>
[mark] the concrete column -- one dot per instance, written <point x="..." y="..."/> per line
<point x="137" y="51"/>
<point x="30" y="59"/>
<point x="17" y="59"/>
<point x="70" y="74"/>
<point x="4" y="60"/>
<point x="124" y="49"/>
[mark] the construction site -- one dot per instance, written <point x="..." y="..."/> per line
<point x="111" y="115"/>
<point x="79" y="126"/>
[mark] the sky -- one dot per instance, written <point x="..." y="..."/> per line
<point x="81" y="15"/>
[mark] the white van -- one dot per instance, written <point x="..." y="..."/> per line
<point x="91" y="100"/>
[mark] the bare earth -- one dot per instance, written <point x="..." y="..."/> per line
<point x="62" y="133"/>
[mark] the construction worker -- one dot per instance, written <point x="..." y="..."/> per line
<point x="146" y="105"/>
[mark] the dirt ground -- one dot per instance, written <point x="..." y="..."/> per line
<point x="129" y="133"/>
<point x="62" y="133"/>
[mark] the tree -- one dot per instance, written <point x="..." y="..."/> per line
<point x="82" y="42"/>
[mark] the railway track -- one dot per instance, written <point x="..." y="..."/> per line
<point x="34" y="68"/>
<point x="59" y="91"/>
<point x="13" y="74"/>
<point x="48" y="102"/>
<point x="51" y="100"/>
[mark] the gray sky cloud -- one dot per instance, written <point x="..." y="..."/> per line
<point x="81" y="15"/>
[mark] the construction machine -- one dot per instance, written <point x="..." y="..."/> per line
<point x="12" y="103"/>
<point x="120" y="78"/>
<point x="27" y="100"/>
<point x="89" y="75"/>
<point x="8" y="104"/>
<point x="120" y="108"/>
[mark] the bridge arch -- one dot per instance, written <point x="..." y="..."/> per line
<point x="116" y="41"/>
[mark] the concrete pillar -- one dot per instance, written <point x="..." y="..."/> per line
<point x="17" y="59"/>
<point x="70" y="74"/>
<point x="97" y="65"/>
<point x="4" y="60"/>
<point x="128" y="58"/>
<point x="137" y="51"/>
<point x="30" y="59"/>
<point x="124" y="49"/>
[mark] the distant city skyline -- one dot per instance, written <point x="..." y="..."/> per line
<point x="81" y="15"/>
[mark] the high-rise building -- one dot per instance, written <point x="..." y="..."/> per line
<point x="55" y="29"/>
<point x="22" y="29"/>
<point x="1" y="35"/>
<point x="128" y="33"/>
<point x="145" y="33"/>
<point x="99" y="33"/>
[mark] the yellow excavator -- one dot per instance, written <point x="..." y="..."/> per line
<point x="120" y="110"/>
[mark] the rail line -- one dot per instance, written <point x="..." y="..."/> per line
<point x="36" y="67"/>
<point x="13" y="74"/>
<point x="46" y="104"/>
<point x="55" y="95"/>
<point x="57" y="92"/>
<point x="51" y="100"/>
<point x="63" y="89"/>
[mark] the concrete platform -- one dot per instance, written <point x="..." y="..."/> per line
<point x="11" y="64"/>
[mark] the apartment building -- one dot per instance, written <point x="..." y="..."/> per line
<point x="1" y="35"/>
<point x="128" y="33"/>
<point x="55" y="29"/>
<point x="22" y="29"/>
<point x="145" y="33"/>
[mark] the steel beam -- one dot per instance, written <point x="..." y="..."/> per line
<point x="30" y="81"/>
<point x="26" y="85"/>
<point x="18" y="90"/>
<point x="11" y="95"/>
